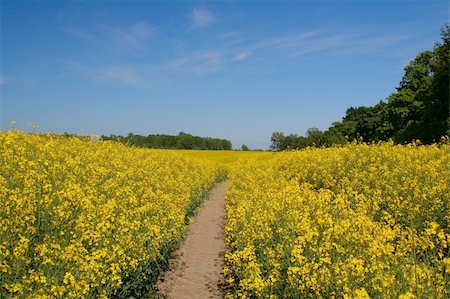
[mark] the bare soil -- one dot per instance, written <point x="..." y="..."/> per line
<point x="196" y="268"/>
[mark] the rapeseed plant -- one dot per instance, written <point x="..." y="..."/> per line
<point x="80" y="218"/>
<point x="358" y="221"/>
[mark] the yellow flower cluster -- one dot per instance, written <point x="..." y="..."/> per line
<point x="226" y="157"/>
<point x="224" y="160"/>
<point x="82" y="218"/>
<point x="360" y="221"/>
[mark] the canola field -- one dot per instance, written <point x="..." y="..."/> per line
<point x="226" y="158"/>
<point x="361" y="221"/>
<point x="96" y="219"/>
<point x="90" y="219"/>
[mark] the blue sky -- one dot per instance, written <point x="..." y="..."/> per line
<point x="238" y="70"/>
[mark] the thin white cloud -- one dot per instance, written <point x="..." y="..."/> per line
<point x="305" y="43"/>
<point x="242" y="55"/>
<point x="368" y="44"/>
<point x="129" y="38"/>
<point x="211" y="56"/>
<point x="199" y="62"/>
<point x="124" y="38"/>
<point x="286" y="42"/>
<point x="230" y="38"/>
<point x="292" y="43"/>
<point x="320" y="44"/>
<point x="2" y="80"/>
<point x="125" y="74"/>
<point x="201" y="18"/>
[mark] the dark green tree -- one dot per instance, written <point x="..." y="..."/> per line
<point x="278" y="141"/>
<point x="420" y="107"/>
<point x="180" y="141"/>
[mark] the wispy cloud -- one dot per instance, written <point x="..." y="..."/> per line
<point x="320" y="43"/>
<point x="2" y="80"/>
<point x="230" y="38"/>
<point x="242" y="55"/>
<point x="128" y="38"/>
<point x="188" y="59"/>
<point x="368" y="44"/>
<point x="305" y="43"/>
<point x="201" y="18"/>
<point x="199" y="62"/>
<point x="124" y="74"/>
<point x="287" y="41"/>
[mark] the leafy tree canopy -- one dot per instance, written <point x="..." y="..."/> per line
<point x="180" y="141"/>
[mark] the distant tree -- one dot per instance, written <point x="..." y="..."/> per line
<point x="185" y="141"/>
<point x="180" y="141"/>
<point x="363" y="122"/>
<point x="278" y="141"/>
<point x="226" y="145"/>
<point x="314" y="137"/>
<point x="332" y="136"/>
<point x="245" y="147"/>
<point x="312" y="131"/>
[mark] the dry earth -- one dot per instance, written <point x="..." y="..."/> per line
<point x="196" y="269"/>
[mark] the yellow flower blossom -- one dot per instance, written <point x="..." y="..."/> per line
<point x="357" y="221"/>
<point x="79" y="217"/>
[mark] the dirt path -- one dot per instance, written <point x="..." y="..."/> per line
<point x="196" y="269"/>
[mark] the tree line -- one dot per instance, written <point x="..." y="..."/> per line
<point x="180" y="141"/>
<point x="417" y="110"/>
